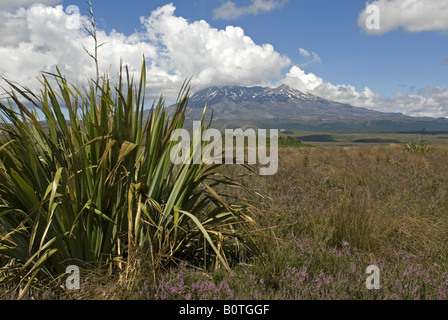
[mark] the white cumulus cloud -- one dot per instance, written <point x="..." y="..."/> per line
<point x="41" y="41"/>
<point x="429" y="101"/>
<point x="229" y="10"/>
<point x="411" y="15"/>
<point x="211" y="56"/>
<point x="36" y="39"/>
<point x="8" y="4"/>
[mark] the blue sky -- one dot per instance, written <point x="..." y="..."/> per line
<point x="318" y="46"/>
<point x="396" y="61"/>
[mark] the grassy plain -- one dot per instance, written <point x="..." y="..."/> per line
<point x="327" y="214"/>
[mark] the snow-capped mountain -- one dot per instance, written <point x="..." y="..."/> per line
<point x="288" y="108"/>
<point x="281" y="103"/>
<point x="238" y="94"/>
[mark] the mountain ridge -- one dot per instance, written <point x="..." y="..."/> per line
<point x="289" y="108"/>
<point x="279" y="103"/>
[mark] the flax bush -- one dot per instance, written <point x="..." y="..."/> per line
<point x="97" y="188"/>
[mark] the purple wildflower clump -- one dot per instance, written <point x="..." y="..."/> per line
<point x="170" y="289"/>
<point x="190" y="286"/>
<point x="417" y="281"/>
<point x="257" y="287"/>
<point x="207" y="290"/>
<point x="300" y="284"/>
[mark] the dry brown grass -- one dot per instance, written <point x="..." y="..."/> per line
<point x="375" y="198"/>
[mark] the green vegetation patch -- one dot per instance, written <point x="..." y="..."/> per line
<point x="376" y="140"/>
<point x="317" y="138"/>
